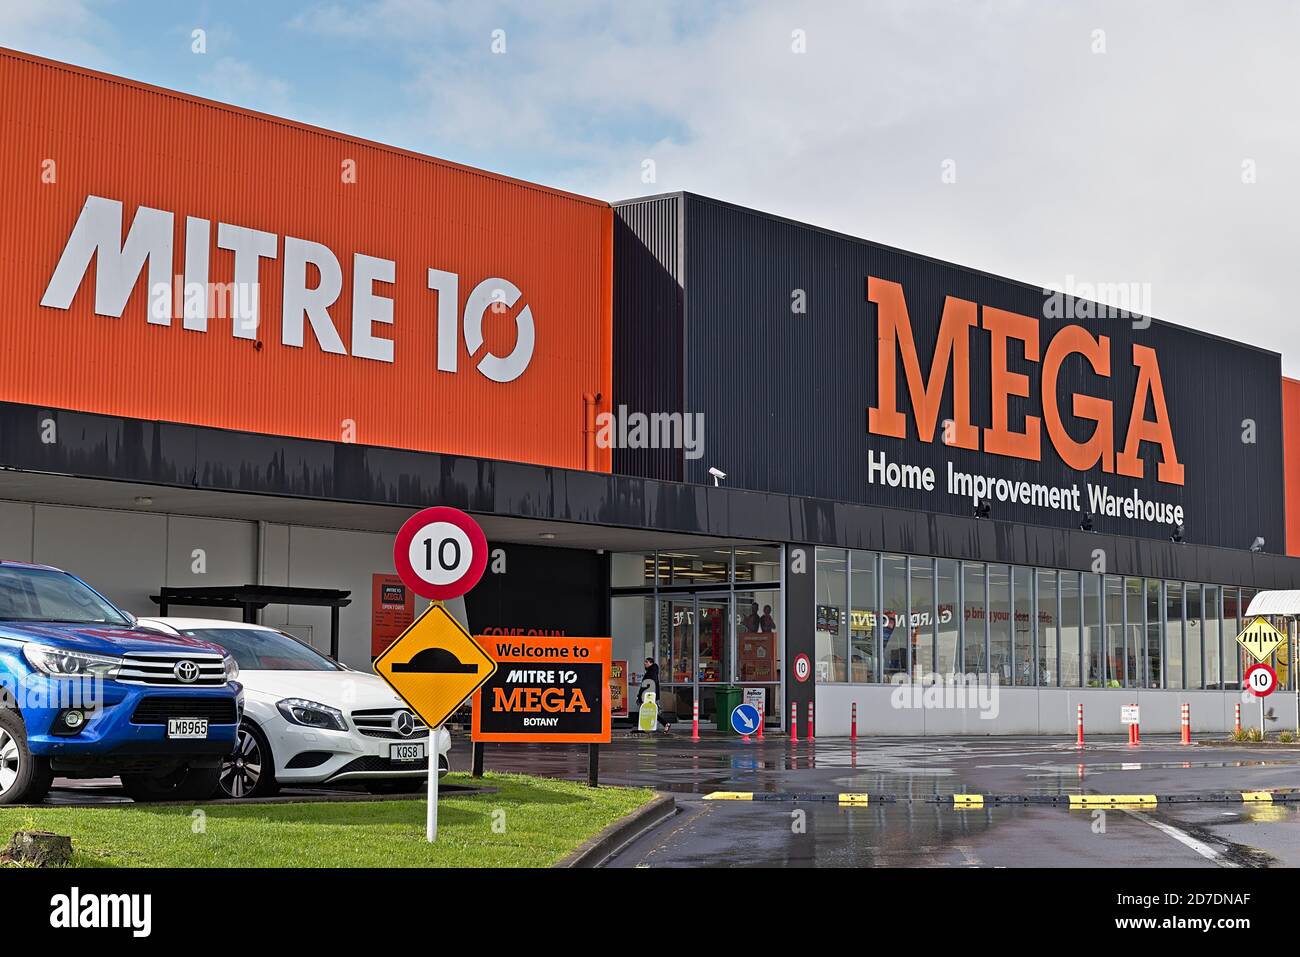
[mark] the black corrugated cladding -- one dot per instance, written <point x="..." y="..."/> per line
<point x="648" y="332"/>
<point x="785" y="393"/>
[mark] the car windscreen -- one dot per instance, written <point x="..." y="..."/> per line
<point x="43" y="594"/>
<point x="255" y="650"/>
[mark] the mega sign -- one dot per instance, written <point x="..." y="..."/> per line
<point x="545" y="690"/>
<point x="1107" y="447"/>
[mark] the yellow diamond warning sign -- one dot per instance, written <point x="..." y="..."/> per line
<point x="435" y="665"/>
<point x="1260" y="638"/>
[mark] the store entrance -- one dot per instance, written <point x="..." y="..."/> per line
<point x="700" y="644"/>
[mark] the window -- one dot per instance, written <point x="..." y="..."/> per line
<point x="832" y="628"/>
<point x="893" y="615"/>
<point x="864" y="612"/>
<point x="1134" y="634"/>
<point x="631" y="569"/>
<point x="758" y="563"/>
<point x="263" y="650"/>
<point x="921" y="626"/>
<point x="1155" y="636"/>
<point x="1213" y="638"/>
<point x="701" y="567"/>
<point x="974" y="660"/>
<point x="42" y="594"/>
<point x="1193" y="635"/>
<point x="949" y="631"/>
<point x="1232" y="610"/>
<point x="1047" y="636"/>
<point x="1022" y="626"/>
<point x="1114" y="632"/>
<point x="758" y="645"/>
<point x="632" y="624"/>
<point x="1093" y="645"/>
<point x="1173" y="634"/>
<point x="1071" y="609"/>
<point x="1000" y="661"/>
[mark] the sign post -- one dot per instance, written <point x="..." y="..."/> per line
<point x="1261" y="639"/>
<point x="435" y="665"/>
<point x="547" y="691"/>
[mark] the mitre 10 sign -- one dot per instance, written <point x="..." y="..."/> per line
<point x="545" y="690"/>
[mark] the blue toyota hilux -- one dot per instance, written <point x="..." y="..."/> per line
<point x="85" y="693"/>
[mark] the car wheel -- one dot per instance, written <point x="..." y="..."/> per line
<point x="250" y="771"/>
<point x="397" y="785"/>
<point x="24" y="777"/>
<point x="183" y="784"/>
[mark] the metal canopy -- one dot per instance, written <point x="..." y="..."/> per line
<point x="1275" y="603"/>
<point x="253" y="598"/>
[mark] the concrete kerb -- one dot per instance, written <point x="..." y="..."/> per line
<point x="968" y="801"/>
<point x="599" y="849"/>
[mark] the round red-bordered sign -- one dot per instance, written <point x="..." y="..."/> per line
<point x="440" y="553"/>
<point x="1266" y="674"/>
<point x="802" y="667"/>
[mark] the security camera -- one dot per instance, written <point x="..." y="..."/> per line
<point x="1257" y="545"/>
<point x="718" y="475"/>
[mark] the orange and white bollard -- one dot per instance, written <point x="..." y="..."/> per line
<point x="853" y="722"/>
<point x="762" y="720"/>
<point x="1079" y="742"/>
<point x="810" y="721"/>
<point x="794" y="721"/>
<point x="1237" y="720"/>
<point x="1134" y="733"/>
<point x="695" y="720"/>
<point x="1187" y="724"/>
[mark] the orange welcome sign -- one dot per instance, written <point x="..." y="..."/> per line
<point x="545" y="690"/>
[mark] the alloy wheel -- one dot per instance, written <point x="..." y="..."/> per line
<point x="241" y="771"/>
<point x="11" y="757"/>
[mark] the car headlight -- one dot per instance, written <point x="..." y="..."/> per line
<point x="70" y="664"/>
<point x="312" y="714"/>
<point x="232" y="668"/>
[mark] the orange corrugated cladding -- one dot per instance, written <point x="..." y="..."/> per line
<point x="143" y="146"/>
<point x="1291" y="461"/>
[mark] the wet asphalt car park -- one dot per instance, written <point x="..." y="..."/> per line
<point x="795" y="818"/>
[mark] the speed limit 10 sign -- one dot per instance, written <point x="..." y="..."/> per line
<point x="1261" y="680"/>
<point x="440" y="553"/>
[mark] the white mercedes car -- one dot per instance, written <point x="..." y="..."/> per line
<point x="309" y="720"/>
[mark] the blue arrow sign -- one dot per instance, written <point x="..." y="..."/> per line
<point x="744" y="719"/>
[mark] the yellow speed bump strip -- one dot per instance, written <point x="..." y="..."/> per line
<point x="1112" y="800"/>
<point x="857" y="800"/>
<point x="967" y="800"/>
<point x="1257" y="796"/>
<point x="729" y="796"/>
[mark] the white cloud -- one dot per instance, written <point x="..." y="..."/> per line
<point x="59" y="29"/>
<point x="235" y="81"/>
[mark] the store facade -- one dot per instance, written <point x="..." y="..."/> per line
<point x="779" y="461"/>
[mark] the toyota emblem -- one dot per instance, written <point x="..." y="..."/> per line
<point x="186" y="672"/>
<point x="404" y="723"/>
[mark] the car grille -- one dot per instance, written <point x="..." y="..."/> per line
<point x="372" y="762"/>
<point x="158" y="709"/>
<point x="159" y="669"/>
<point x="383" y="723"/>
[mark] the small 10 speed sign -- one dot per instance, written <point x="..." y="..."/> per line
<point x="1261" y="680"/>
<point x="440" y="553"/>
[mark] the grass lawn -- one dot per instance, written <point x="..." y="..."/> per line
<point x="539" y="821"/>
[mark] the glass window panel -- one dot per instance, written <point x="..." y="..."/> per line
<point x="1022" y="626"/>
<point x="1243" y="657"/>
<point x="948" y="570"/>
<point x="1232" y="609"/>
<point x="832" y="632"/>
<point x="1114" y="631"/>
<point x="1000" y="623"/>
<point x="1155" y="673"/>
<point x="1173" y="634"/>
<point x="632" y="626"/>
<point x="758" y="563"/>
<point x="975" y="621"/>
<point x="1093" y="644"/>
<point x="1194" y="635"/>
<point x="1212" y="639"/>
<point x="705" y="566"/>
<point x="1134" y="633"/>
<point x="863" y="615"/>
<point x="1047" y="667"/>
<point x="921" y="625"/>
<point x="893" y="614"/>
<point x="1070" y="610"/>
<point x="631" y="569"/>
<point x="758" y="640"/>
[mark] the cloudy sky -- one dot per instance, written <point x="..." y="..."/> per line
<point x="1059" y="143"/>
